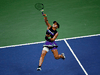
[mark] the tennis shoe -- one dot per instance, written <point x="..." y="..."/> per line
<point x="63" y="56"/>
<point x="39" y="68"/>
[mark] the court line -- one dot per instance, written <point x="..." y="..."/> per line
<point x="75" y="57"/>
<point x="55" y="40"/>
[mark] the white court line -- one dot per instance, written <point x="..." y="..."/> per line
<point x="55" y="40"/>
<point x="75" y="57"/>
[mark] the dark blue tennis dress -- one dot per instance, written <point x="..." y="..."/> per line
<point x="49" y="44"/>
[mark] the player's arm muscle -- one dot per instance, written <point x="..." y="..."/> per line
<point x="46" y="21"/>
<point x="55" y="36"/>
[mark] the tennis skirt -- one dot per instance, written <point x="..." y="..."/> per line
<point x="50" y="45"/>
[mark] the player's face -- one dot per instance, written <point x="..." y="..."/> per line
<point x="55" y="25"/>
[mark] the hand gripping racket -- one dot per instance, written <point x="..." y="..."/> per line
<point x="40" y="7"/>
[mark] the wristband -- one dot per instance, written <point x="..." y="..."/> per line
<point x="48" y="39"/>
<point x="42" y="10"/>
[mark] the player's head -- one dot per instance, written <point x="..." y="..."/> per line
<point x="55" y="24"/>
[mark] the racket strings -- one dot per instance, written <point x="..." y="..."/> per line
<point x="39" y="6"/>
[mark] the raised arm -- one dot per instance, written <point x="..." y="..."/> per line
<point x="46" y="20"/>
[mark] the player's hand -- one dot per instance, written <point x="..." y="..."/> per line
<point x="51" y="39"/>
<point x="44" y="14"/>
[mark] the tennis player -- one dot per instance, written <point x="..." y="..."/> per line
<point x="51" y="35"/>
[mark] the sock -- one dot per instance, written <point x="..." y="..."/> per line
<point x="39" y="66"/>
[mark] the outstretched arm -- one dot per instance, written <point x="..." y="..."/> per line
<point x="46" y="20"/>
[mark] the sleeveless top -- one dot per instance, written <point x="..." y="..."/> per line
<point x="51" y="31"/>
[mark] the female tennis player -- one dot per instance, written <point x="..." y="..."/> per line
<point x="50" y="43"/>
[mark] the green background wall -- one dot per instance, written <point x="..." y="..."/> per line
<point x="21" y="23"/>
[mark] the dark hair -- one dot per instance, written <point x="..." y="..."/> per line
<point x="57" y="23"/>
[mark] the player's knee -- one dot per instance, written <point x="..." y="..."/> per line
<point x="43" y="54"/>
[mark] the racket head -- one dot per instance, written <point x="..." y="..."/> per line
<point x="39" y="6"/>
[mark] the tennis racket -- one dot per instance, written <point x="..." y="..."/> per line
<point x="40" y="7"/>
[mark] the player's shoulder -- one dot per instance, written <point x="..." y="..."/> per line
<point x="56" y="31"/>
<point x="49" y="27"/>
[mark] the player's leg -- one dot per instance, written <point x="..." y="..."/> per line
<point x="44" y="52"/>
<point x="56" y="55"/>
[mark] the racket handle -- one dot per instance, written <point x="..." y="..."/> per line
<point x="42" y="13"/>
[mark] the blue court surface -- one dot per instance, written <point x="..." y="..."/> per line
<point x="24" y="60"/>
